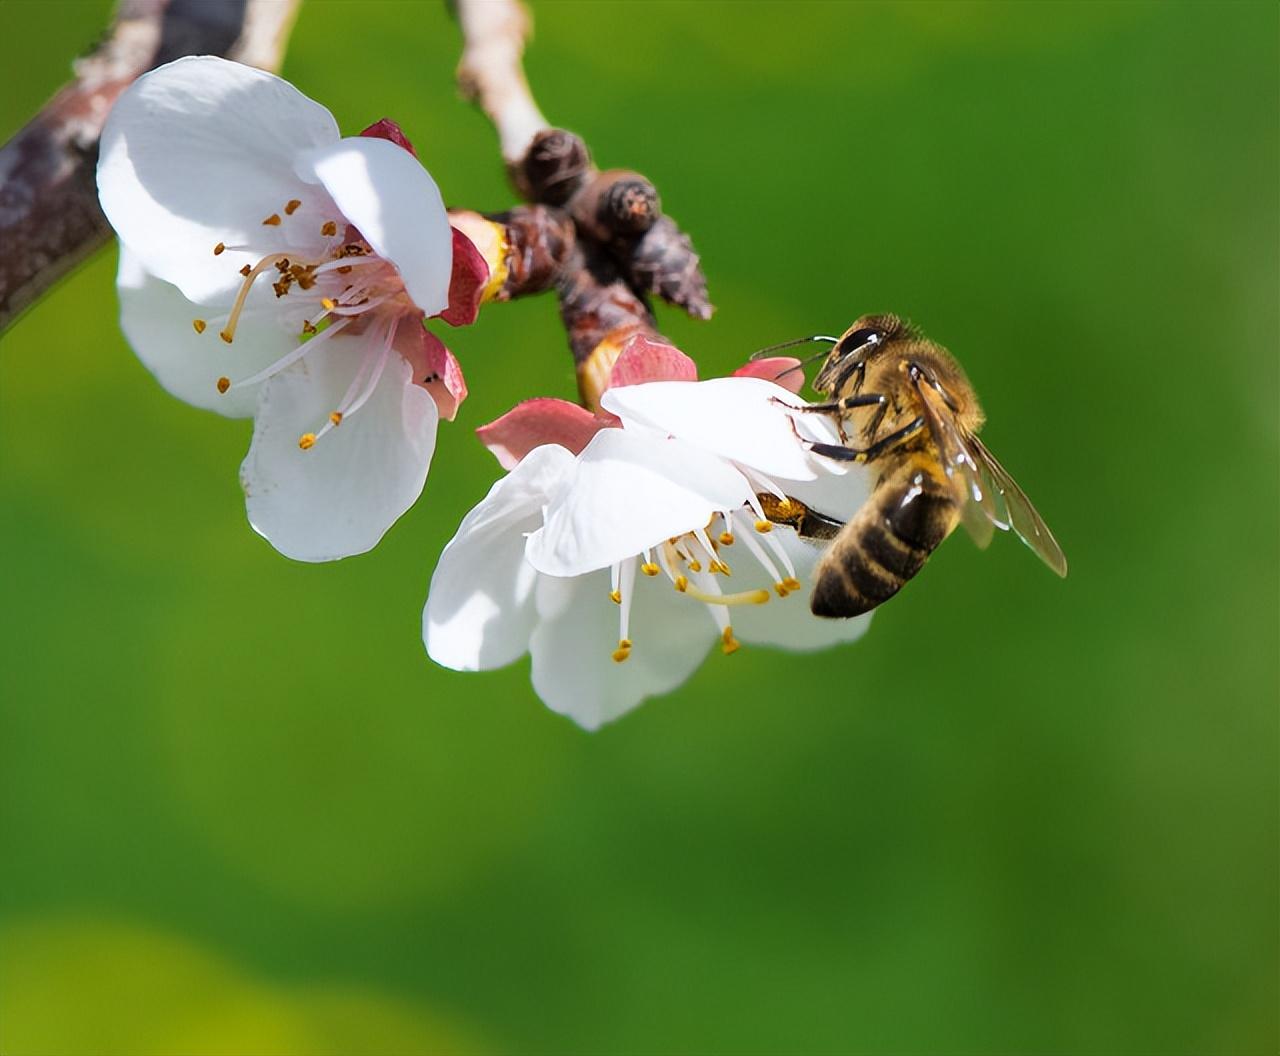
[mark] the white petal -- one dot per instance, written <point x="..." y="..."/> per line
<point x="480" y="613"/>
<point x="787" y="622"/>
<point x="201" y="151"/>
<point x="392" y="199"/>
<point x="157" y="321"/>
<point x="631" y="492"/>
<point x="340" y="497"/>
<point x="839" y="497"/>
<point x="742" y="419"/>
<point x="572" y="647"/>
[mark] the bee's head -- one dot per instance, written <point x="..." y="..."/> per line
<point x="857" y="346"/>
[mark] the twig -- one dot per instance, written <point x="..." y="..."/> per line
<point x="490" y="71"/>
<point x="624" y="249"/>
<point x="50" y="219"/>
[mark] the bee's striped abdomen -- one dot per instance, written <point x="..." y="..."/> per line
<point x="902" y="522"/>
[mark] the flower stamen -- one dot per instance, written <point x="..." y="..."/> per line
<point x="289" y="358"/>
<point x="228" y="333"/>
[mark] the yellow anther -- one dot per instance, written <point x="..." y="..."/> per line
<point x="272" y="221"/>
<point x="328" y="303"/>
<point x="681" y="584"/>
<point x="199" y="325"/>
<point x="329" y="227"/>
<point x="782" y="590"/>
<point x="623" y="651"/>
<point x="719" y="566"/>
<point x="291" y="206"/>
<point x="728" y="642"/>
<point x="650" y="569"/>
<point x="224" y="384"/>
<point x="791" y="583"/>
<point x="764" y="526"/>
<point x="306" y="441"/>
<point x="336" y="418"/>
<point x="219" y="249"/>
<point x="726" y="538"/>
<point x="615" y="596"/>
<point x="695" y="566"/>
<point x="226" y="335"/>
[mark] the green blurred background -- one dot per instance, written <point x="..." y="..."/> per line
<point x="242" y="812"/>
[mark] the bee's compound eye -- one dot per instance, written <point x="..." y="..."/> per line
<point x="864" y="338"/>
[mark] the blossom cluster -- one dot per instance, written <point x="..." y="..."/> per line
<point x="270" y="267"/>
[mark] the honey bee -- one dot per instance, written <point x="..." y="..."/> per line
<point x="907" y="402"/>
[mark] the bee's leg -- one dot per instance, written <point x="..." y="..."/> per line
<point x="836" y="408"/>
<point x="808" y="523"/>
<point x="850" y="454"/>
<point x="839" y="406"/>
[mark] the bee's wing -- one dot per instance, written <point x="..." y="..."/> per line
<point x="1022" y="515"/>
<point x="978" y="507"/>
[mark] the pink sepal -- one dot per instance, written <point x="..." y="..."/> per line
<point x="644" y="360"/>
<point x="533" y="423"/>
<point x="467" y="283"/>
<point x="435" y="368"/>
<point x="778" y="369"/>
<point x="388" y="129"/>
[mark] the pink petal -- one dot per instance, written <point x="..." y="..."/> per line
<point x="388" y="129"/>
<point x="434" y="367"/>
<point x="466" y="284"/>
<point x="540" y="421"/>
<point x="645" y="360"/>
<point x="778" y="369"/>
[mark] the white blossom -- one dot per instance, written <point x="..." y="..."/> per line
<point x="617" y="567"/>
<point x="270" y="267"/>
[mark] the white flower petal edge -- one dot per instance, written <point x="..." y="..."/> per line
<point x="393" y="201"/>
<point x="480" y="610"/>
<point x="572" y="647"/>
<point x="200" y="151"/>
<point x="741" y="419"/>
<point x="340" y="496"/>
<point x="630" y="493"/>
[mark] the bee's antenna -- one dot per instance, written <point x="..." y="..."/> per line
<point x="799" y="366"/>
<point x="792" y="344"/>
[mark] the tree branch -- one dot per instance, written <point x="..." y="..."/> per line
<point x="623" y="248"/>
<point x="50" y="219"/>
<point x="490" y="72"/>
